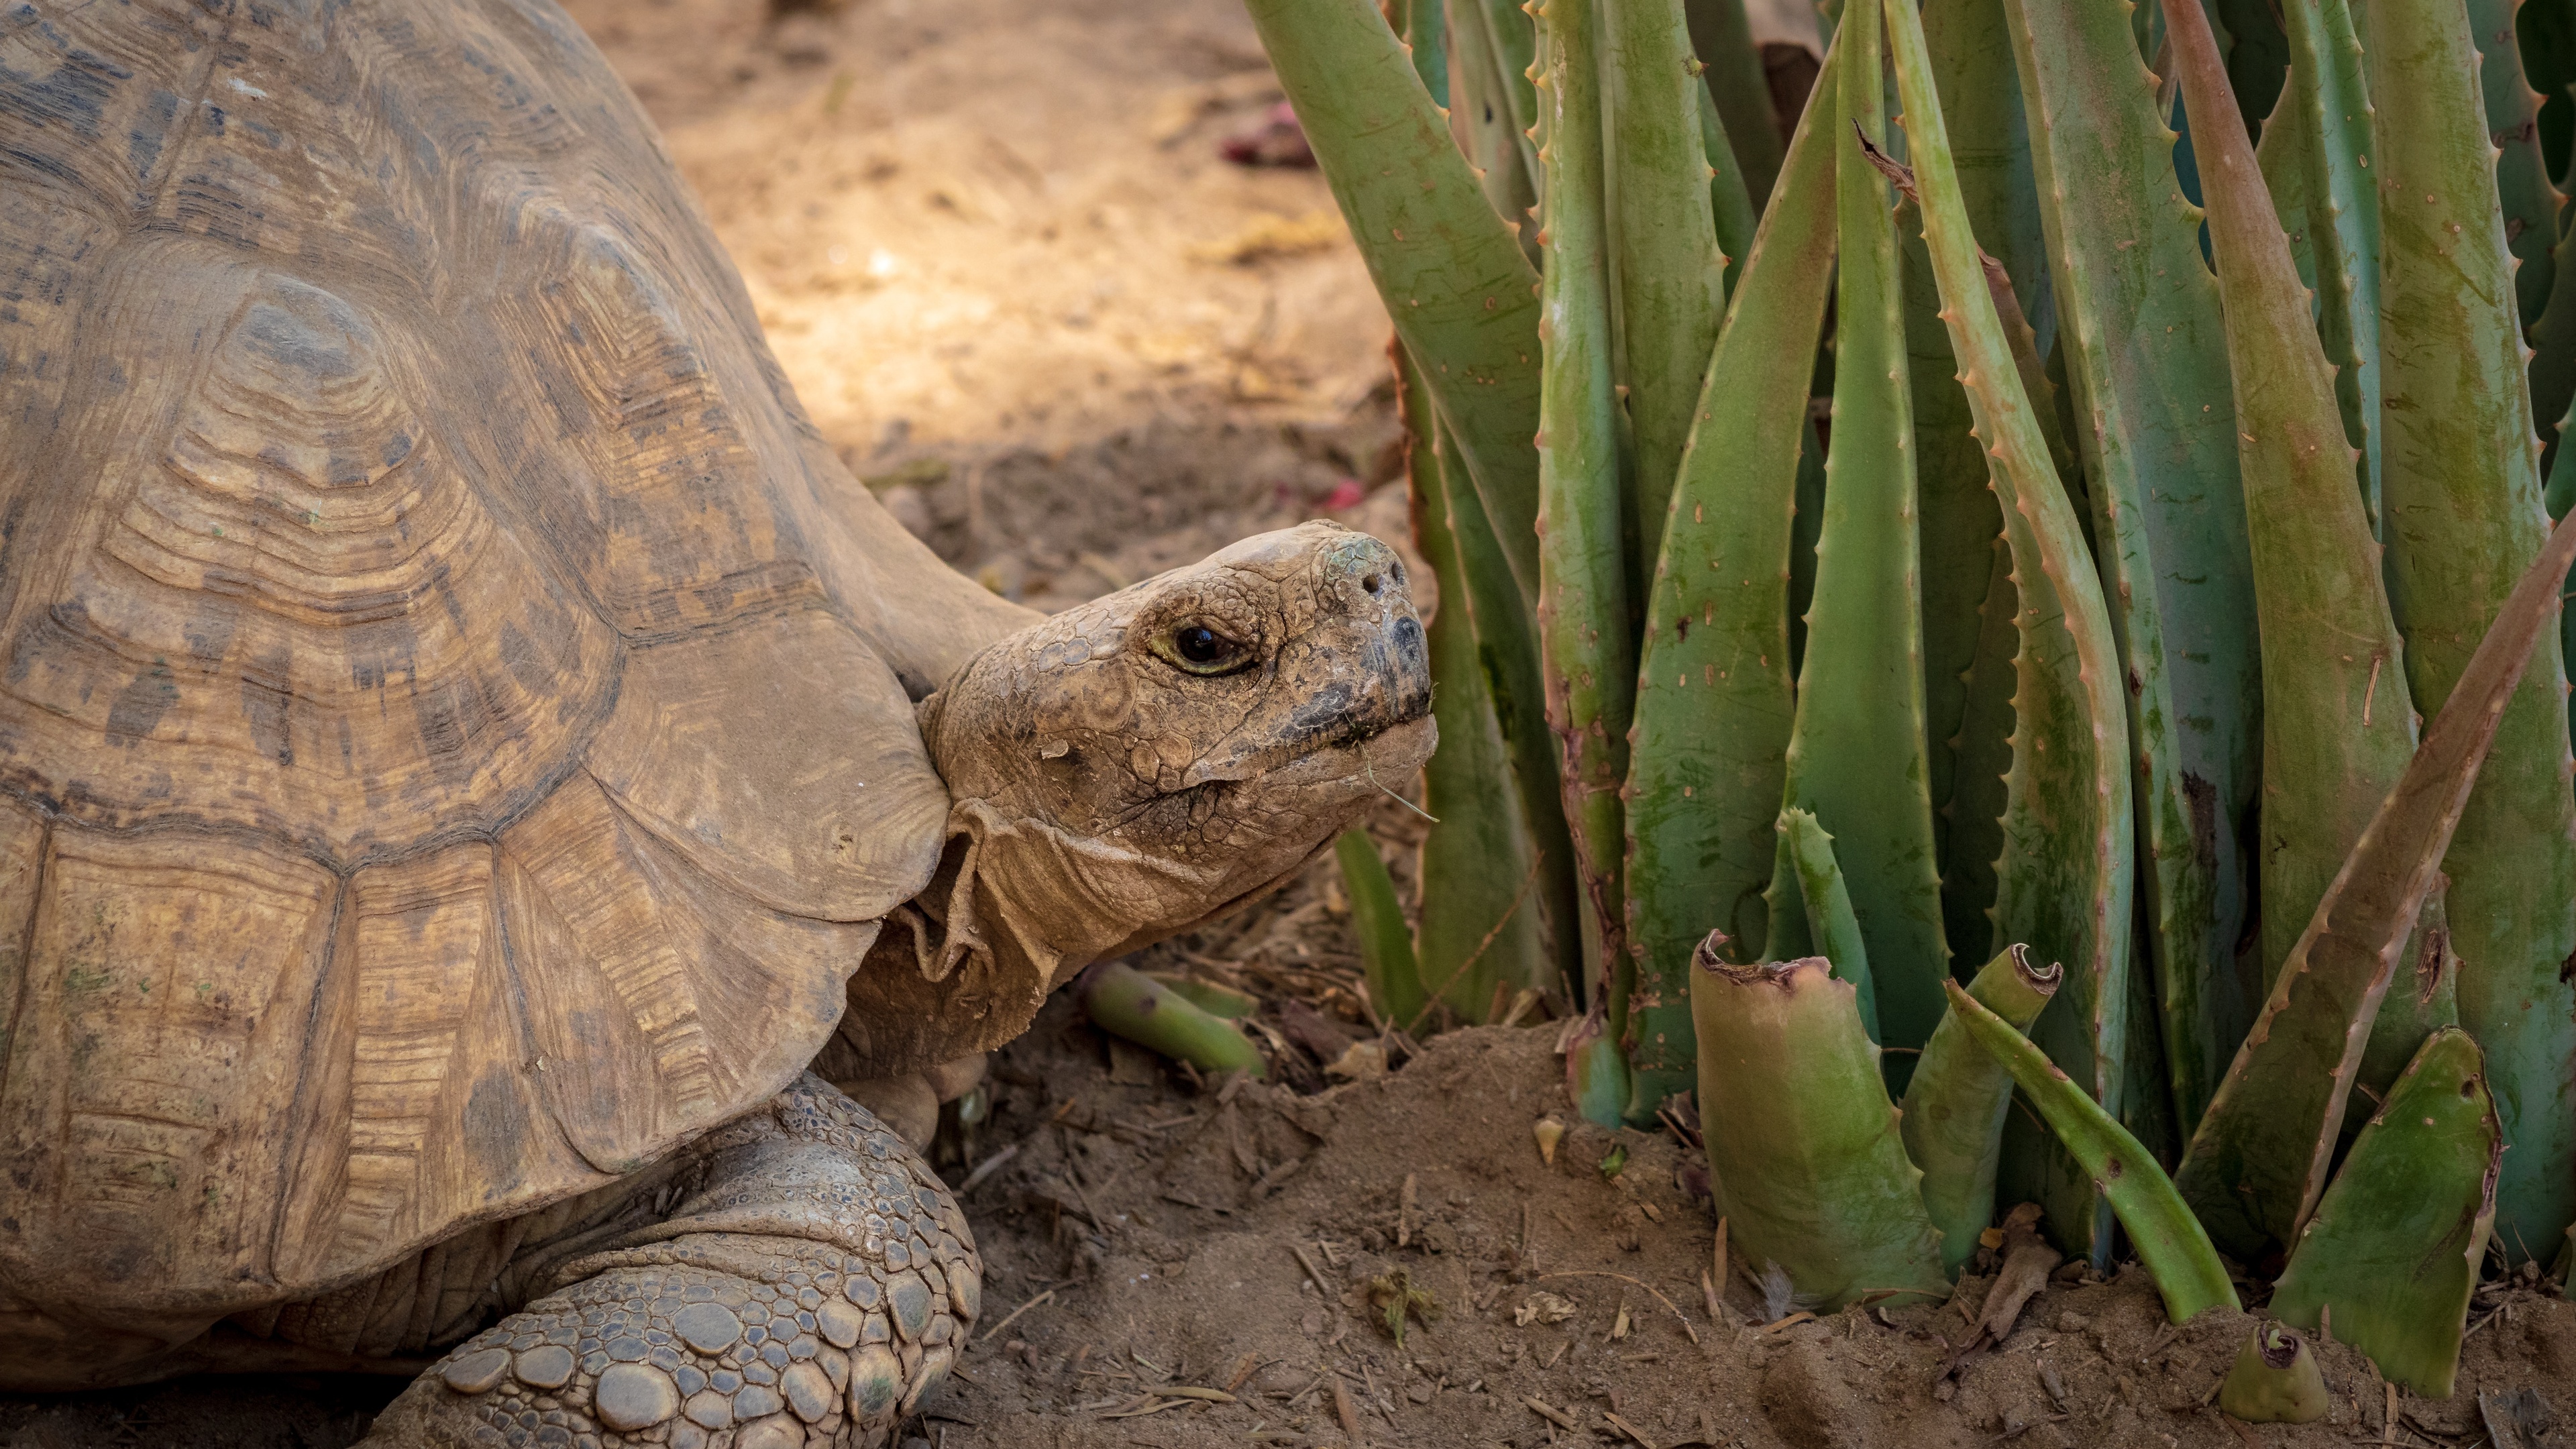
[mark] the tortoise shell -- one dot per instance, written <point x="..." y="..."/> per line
<point x="456" y="735"/>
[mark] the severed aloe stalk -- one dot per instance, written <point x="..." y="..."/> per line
<point x="1955" y="1104"/>
<point x="1802" y="1144"/>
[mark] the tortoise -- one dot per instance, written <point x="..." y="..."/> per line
<point x="467" y="745"/>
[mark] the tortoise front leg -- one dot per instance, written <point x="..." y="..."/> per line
<point x="811" y="1283"/>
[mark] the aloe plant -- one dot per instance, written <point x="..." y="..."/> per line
<point x="2169" y="593"/>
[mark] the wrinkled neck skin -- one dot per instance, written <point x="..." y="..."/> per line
<point x="1117" y="778"/>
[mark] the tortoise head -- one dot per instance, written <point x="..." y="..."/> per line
<point x="1153" y="759"/>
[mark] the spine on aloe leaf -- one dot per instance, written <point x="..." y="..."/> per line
<point x="1798" y="1123"/>
<point x="1954" y="1107"/>
<point x="2395" y="1246"/>
<point x="2465" y="519"/>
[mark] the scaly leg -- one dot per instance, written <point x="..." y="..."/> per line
<point x="811" y="1283"/>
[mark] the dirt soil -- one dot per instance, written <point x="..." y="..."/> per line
<point x="995" y="245"/>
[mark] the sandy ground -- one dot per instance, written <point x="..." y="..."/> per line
<point x="995" y="247"/>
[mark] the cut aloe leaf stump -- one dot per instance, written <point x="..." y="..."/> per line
<point x="1955" y="1105"/>
<point x="1803" y="1148"/>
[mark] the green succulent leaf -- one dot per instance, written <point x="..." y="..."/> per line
<point x="2396" y="1243"/>
<point x="2145" y="355"/>
<point x="1857" y="750"/>
<point x="2168" y="1239"/>
<point x="2063" y="884"/>
<point x="1740" y="89"/>
<point x="1668" y="277"/>
<point x="1830" y="922"/>
<point x="2465" y="520"/>
<point x="1377" y="918"/>
<point x="1483" y="915"/>
<point x="1583" y="626"/>
<point x="1125" y="1002"/>
<point x="1714" y="699"/>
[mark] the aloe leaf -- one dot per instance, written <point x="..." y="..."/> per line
<point x="1714" y="700"/>
<point x="1953" y="1122"/>
<point x="2327" y="153"/>
<point x="1596" y="1070"/>
<point x="2256" y="1166"/>
<point x="1584" y="640"/>
<point x="1736" y="82"/>
<point x="1857" y="748"/>
<point x="1981" y="98"/>
<point x="1830" y="921"/>
<point x="2337" y="719"/>
<point x="1125" y="1002"/>
<point x="2465" y="519"/>
<point x="2395" y="1246"/>
<point x="2559" y="498"/>
<point x="1449" y="269"/>
<point x="2146" y="362"/>
<point x="1981" y="762"/>
<point x="1377" y="919"/>
<point x="1803" y="1151"/>
<point x="1667" y="271"/>
<point x="2165" y="1235"/>
<point x="2064" y="879"/>
<point x="1960" y="527"/>
<point x="2512" y="124"/>
<point x="1507" y="645"/>
<point x="1481" y="918"/>
<point x="1486" y="128"/>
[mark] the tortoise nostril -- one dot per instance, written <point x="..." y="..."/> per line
<point x="1370" y="583"/>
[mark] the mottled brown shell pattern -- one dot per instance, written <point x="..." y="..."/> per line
<point x="450" y="751"/>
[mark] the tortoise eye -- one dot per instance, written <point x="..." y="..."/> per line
<point x="1195" y="648"/>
